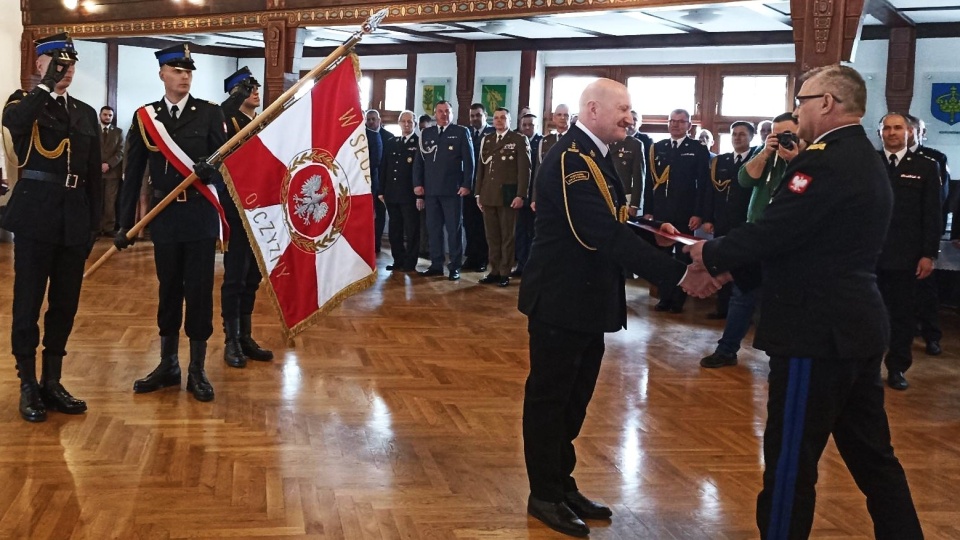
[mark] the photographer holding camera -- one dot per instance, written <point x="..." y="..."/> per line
<point x="763" y="172"/>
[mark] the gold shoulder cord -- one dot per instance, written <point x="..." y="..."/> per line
<point x="143" y="133"/>
<point x="566" y="205"/>
<point x="661" y="179"/>
<point x="620" y="214"/>
<point x="719" y="186"/>
<point x="49" y="154"/>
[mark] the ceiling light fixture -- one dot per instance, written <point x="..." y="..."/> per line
<point x="700" y="15"/>
<point x="71" y="4"/>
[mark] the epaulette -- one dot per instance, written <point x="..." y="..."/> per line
<point x="818" y="146"/>
<point x="213" y="103"/>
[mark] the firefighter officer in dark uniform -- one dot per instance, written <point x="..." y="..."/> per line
<point x="241" y="274"/>
<point x="573" y="292"/>
<point x="185" y="233"/>
<point x="912" y="243"/>
<point x="396" y="192"/>
<point x="824" y="325"/>
<point x="54" y="215"/>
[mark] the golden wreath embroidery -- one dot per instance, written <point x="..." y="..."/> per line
<point x="315" y="199"/>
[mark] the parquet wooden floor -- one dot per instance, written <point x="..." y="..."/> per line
<point x="398" y="417"/>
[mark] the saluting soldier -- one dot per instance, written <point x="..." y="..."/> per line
<point x="241" y="274"/>
<point x="396" y="191"/>
<point x="503" y="175"/>
<point x="54" y="213"/>
<point x="678" y="175"/>
<point x="171" y="136"/>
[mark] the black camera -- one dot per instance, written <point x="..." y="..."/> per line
<point x="787" y="139"/>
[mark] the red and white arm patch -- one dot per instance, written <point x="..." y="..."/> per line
<point x="799" y="183"/>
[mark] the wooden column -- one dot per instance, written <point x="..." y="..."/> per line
<point x="113" y="55"/>
<point x="825" y="31"/>
<point x="28" y="62"/>
<point x="466" y="72"/>
<point x="901" y="59"/>
<point x="412" y="83"/>
<point x="283" y="49"/>
<point x="528" y="69"/>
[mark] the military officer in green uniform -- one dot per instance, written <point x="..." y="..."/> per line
<point x="55" y="214"/>
<point x="503" y="175"/>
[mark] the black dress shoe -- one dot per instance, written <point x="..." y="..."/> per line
<point x="718" y="360"/>
<point x="557" y="516"/>
<point x="716" y="316"/>
<point x="897" y="381"/>
<point x="516" y="273"/>
<point x="390" y="267"/>
<point x="454" y="275"/>
<point x="933" y="348"/>
<point x="430" y="272"/>
<point x="490" y="278"/>
<point x="31" y="405"/>
<point x="504" y="281"/>
<point x="584" y="508"/>
<point x="55" y="397"/>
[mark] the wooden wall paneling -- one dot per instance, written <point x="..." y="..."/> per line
<point x="28" y="61"/>
<point x="901" y="61"/>
<point x="466" y="76"/>
<point x="283" y="44"/>
<point x="411" y="82"/>
<point x="528" y="70"/>
<point x="825" y="31"/>
<point x="113" y="50"/>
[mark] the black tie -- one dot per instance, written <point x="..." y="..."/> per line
<point x="738" y="161"/>
<point x="440" y="131"/>
<point x="173" y="112"/>
<point x="105" y="132"/>
<point x="674" y="145"/>
<point x="62" y="101"/>
<point x="893" y="162"/>
<point x="499" y="136"/>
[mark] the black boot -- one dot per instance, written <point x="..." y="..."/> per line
<point x="167" y="373"/>
<point x="197" y="382"/>
<point x="54" y="395"/>
<point x="250" y="347"/>
<point x="232" y="352"/>
<point x="31" y="405"/>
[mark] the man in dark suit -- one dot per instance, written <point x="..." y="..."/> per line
<point x="443" y="176"/>
<point x="241" y="274"/>
<point x="678" y="175"/>
<point x="54" y="213"/>
<point x="111" y="156"/>
<point x="396" y="191"/>
<point x="185" y="233"/>
<point x="823" y="322"/>
<point x="726" y="202"/>
<point x="525" y="215"/>
<point x="375" y="137"/>
<point x="476" y="249"/>
<point x="573" y="292"/>
<point x="913" y="240"/>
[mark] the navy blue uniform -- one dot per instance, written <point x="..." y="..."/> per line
<point x="396" y="187"/>
<point x="526" y="215"/>
<point x="375" y="140"/>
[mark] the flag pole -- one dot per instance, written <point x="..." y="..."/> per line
<point x="257" y="124"/>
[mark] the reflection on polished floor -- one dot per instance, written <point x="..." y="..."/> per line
<point x="398" y="416"/>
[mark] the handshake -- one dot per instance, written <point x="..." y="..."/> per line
<point x="697" y="281"/>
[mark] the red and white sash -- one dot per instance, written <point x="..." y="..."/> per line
<point x="182" y="162"/>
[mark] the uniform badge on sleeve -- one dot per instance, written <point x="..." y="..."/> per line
<point x="799" y="183"/>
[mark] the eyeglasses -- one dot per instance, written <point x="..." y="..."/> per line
<point x="800" y="99"/>
<point x="676" y="122"/>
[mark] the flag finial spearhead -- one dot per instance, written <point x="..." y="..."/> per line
<point x="372" y="23"/>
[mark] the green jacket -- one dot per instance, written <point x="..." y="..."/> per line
<point x="763" y="187"/>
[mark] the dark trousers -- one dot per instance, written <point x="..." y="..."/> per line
<point x="899" y="289"/>
<point x="809" y="400"/>
<point x="476" y="249"/>
<point x="928" y="306"/>
<point x="445" y="214"/>
<point x="241" y="276"/>
<point x="564" y="365"/>
<point x="37" y="266"/>
<point x="379" y="222"/>
<point x="524" y="234"/>
<point x="723" y="298"/>
<point x="674" y="297"/>
<point x="404" y="234"/>
<point x="185" y="272"/>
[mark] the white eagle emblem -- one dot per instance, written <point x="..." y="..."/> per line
<point x="310" y="207"/>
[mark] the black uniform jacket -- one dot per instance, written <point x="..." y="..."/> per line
<point x="396" y="169"/>
<point x="676" y="194"/>
<point x="628" y="158"/>
<point x="574" y="277"/>
<point x="915" y="226"/>
<point x="199" y="131"/>
<point x="726" y="201"/>
<point x="236" y="121"/>
<point x="818" y="243"/>
<point x="445" y="163"/>
<point x="475" y="137"/>
<point x="48" y="211"/>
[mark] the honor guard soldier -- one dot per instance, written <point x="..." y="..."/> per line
<point x="573" y="292"/>
<point x="503" y="175"/>
<point x="396" y="192"/>
<point x="241" y="274"/>
<point x="678" y="175"/>
<point x="171" y="136"/>
<point x="54" y="215"/>
<point x="823" y="324"/>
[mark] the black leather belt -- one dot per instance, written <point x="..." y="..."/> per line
<point x="184" y="196"/>
<point x="70" y="181"/>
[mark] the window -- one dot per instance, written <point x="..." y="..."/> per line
<point x="395" y="98"/>
<point x="753" y="95"/>
<point x="660" y="95"/>
<point x="568" y="89"/>
<point x="366" y="84"/>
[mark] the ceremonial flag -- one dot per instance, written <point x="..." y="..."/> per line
<point x="302" y="185"/>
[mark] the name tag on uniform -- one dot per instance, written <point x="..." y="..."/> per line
<point x="685" y="155"/>
<point x="911" y="176"/>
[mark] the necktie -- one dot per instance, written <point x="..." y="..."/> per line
<point x="62" y="101"/>
<point x="674" y="144"/>
<point x="173" y="112"/>
<point x="499" y="136"/>
<point x="104" y="131"/>
<point x="440" y="131"/>
<point x="893" y="161"/>
<point x="738" y="161"/>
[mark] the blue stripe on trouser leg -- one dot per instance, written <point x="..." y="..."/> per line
<point x="794" y="410"/>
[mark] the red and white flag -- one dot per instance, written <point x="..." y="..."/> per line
<point x="302" y="185"/>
